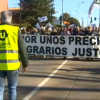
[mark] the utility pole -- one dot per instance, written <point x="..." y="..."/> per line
<point x="51" y="13"/>
<point x="77" y="14"/>
<point x="20" y="13"/>
<point x="79" y="10"/>
<point x="62" y="13"/>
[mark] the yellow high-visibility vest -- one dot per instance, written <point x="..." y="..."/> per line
<point x="9" y="56"/>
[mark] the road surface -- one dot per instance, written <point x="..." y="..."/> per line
<point x="59" y="79"/>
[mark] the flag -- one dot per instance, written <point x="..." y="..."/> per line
<point x="49" y="25"/>
<point x="92" y="6"/>
<point x="73" y="25"/>
<point x="37" y="26"/>
<point x="42" y="19"/>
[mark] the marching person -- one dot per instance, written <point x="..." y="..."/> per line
<point x="12" y="50"/>
<point x="89" y="32"/>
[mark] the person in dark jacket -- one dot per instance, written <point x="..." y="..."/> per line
<point x="76" y="31"/>
<point x="54" y="32"/>
<point x="89" y="31"/>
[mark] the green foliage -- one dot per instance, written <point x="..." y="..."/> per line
<point x="73" y="20"/>
<point x="68" y="18"/>
<point x="32" y="9"/>
<point x="26" y="25"/>
<point x="22" y="25"/>
<point x="65" y="17"/>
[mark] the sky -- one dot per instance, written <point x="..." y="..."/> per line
<point x="71" y="7"/>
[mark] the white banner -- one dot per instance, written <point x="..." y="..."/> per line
<point x="69" y="46"/>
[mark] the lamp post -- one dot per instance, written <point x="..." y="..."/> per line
<point x="62" y="12"/>
<point x="51" y="13"/>
<point x="87" y="16"/>
<point x="77" y="13"/>
<point x="82" y="22"/>
<point x="20" y="13"/>
<point x="78" y="9"/>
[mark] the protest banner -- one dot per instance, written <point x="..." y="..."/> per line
<point x="69" y="46"/>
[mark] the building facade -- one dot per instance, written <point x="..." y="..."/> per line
<point x="3" y="6"/>
<point x="16" y="15"/>
<point x="15" y="11"/>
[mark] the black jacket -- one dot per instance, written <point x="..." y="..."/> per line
<point x="88" y="33"/>
<point x="22" y="48"/>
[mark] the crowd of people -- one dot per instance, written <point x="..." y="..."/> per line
<point x="79" y="31"/>
<point x="63" y="31"/>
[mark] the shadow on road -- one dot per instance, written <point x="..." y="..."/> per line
<point x="21" y="88"/>
<point x="92" y="70"/>
<point x="61" y="77"/>
<point x="61" y="58"/>
<point x="46" y="58"/>
<point x="89" y="70"/>
<point x="58" y="74"/>
<point x="25" y="90"/>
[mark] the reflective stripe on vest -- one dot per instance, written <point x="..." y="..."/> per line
<point x="8" y="51"/>
<point x="9" y="61"/>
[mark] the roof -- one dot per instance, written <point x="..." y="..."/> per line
<point x="13" y="8"/>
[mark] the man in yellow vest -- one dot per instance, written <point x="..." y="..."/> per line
<point x="12" y="52"/>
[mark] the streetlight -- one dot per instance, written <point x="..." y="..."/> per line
<point x="20" y="13"/>
<point x="87" y="16"/>
<point x="62" y="12"/>
<point x="82" y="22"/>
<point x="78" y="8"/>
<point x="51" y="12"/>
<point x="77" y="13"/>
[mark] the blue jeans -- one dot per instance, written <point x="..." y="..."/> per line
<point x="12" y="78"/>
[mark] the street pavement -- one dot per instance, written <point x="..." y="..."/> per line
<point x="59" y="79"/>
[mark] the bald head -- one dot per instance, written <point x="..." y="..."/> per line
<point x="6" y="17"/>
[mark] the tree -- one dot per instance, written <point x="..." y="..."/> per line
<point x="65" y="17"/>
<point x="32" y="9"/>
<point x="73" y="20"/>
<point x="68" y="18"/>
